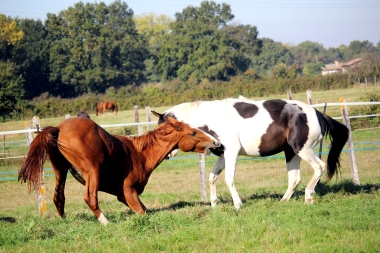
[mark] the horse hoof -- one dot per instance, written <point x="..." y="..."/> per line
<point x="238" y="205"/>
<point x="310" y="200"/>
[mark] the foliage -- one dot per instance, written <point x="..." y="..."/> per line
<point x="9" y="31"/>
<point x="95" y="46"/>
<point x="199" y="45"/>
<point x="11" y="90"/>
<point x="366" y="122"/>
<point x="272" y="54"/>
<point x="312" y="69"/>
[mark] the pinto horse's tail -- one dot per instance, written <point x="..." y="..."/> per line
<point x="338" y="134"/>
<point x="33" y="165"/>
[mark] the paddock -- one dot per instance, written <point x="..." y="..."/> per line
<point x="343" y="219"/>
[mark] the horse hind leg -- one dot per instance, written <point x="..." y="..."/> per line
<point x="214" y="174"/>
<point x="91" y="197"/>
<point x="293" y="163"/>
<point x="60" y="166"/>
<point x="319" y="168"/>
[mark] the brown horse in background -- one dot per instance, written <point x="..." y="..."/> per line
<point x="102" y="107"/>
<point x="118" y="165"/>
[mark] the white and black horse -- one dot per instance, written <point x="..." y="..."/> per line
<point x="264" y="128"/>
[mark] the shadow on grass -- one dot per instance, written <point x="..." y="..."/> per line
<point x="346" y="186"/>
<point x="323" y="189"/>
<point x="8" y="219"/>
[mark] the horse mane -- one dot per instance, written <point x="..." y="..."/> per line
<point x="160" y="133"/>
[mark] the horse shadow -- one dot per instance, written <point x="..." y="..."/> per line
<point x="8" y="219"/>
<point x="323" y="189"/>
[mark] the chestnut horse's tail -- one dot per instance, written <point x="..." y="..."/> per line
<point x="99" y="107"/>
<point x="116" y="108"/>
<point x="33" y="165"/>
<point x="338" y="134"/>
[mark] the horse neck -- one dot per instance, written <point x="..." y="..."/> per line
<point x="154" y="149"/>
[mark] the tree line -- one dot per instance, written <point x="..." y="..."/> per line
<point x="94" y="48"/>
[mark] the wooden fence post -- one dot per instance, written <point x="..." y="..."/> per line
<point x="309" y="97"/>
<point x="148" y="119"/>
<point x="136" y="111"/>
<point x="202" y="175"/>
<point x="4" y="145"/>
<point x="350" y="144"/>
<point x="289" y="93"/>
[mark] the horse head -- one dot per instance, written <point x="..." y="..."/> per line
<point x="192" y="138"/>
<point x="164" y="117"/>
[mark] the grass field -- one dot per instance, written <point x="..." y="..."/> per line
<point x="345" y="217"/>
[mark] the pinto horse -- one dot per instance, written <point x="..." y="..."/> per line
<point x="264" y="128"/>
<point x="117" y="165"/>
<point x="102" y="107"/>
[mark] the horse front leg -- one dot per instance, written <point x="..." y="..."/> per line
<point x="230" y="177"/>
<point x="214" y="174"/>
<point x="294" y="175"/>
<point x="131" y="199"/>
<point x="91" y="197"/>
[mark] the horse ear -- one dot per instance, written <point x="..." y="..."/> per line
<point x="156" y="114"/>
<point x="175" y="123"/>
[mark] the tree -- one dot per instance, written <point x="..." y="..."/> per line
<point x="32" y="57"/>
<point x="94" y="47"/>
<point x="308" y="52"/>
<point x="11" y="88"/>
<point x="312" y="69"/>
<point x="199" y="46"/>
<point x="9" y="31"/>
<point x="272" y="53"/>
<point x="154" y="28"/>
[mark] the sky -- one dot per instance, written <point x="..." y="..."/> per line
<point x="330" y="23"/>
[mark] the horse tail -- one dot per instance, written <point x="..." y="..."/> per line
<point x="338" y="134"/>
<point x="116" y="108"/>
<point x="32" y="168"/>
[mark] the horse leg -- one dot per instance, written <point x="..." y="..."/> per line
<point x="131" y="199"/>
<point x="59" y="192"/>
<point x="230" y="157"/>
<point x="214" y="174"/>
<point x="91" y="197"/>
<point x="293" y="163"/>
<point x="61" y="167"/>
<point x="319" y="167"/>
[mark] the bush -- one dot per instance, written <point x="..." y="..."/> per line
<point x="367" y="122"/>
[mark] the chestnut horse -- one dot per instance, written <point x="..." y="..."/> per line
<point x="117" y="165"/>
<point x="102" y="107"/>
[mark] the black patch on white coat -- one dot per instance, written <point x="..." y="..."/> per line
<point x="246" y="110"/>
<point x="289" y="129"/>
<point x="164" y="117"/>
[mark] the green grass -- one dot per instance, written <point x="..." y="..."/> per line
<point x="345" y="217"/>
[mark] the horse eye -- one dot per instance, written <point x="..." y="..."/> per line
<point x="194" y="133"/>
